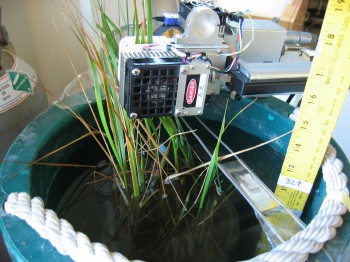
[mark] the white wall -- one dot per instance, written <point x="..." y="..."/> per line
<point x="342" y="130"/>
<point x="112" y="9"/>
<point x="32" y="30"/>
<point x="31" y="27"/>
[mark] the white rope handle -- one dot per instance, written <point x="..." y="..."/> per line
<point x="58" y="231"/>
<point x="323" y="226"/>
<point x="310" y="240"/>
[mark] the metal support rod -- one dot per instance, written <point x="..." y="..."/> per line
<point x="265" y="205"/>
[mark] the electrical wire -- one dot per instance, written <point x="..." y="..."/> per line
<point x="178" y="52"/>
<point x="251" y="39"/>
<point x="237" y="40"/>
<point x="185" y="56"/>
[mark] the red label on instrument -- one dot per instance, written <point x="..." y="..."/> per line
<point x="191" y="91"/>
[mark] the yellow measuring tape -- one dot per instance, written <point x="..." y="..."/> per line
<point x="324" y="95"/>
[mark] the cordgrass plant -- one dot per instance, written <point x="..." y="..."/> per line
<point x="133" y="143"/>
<point x="145" y="153"/>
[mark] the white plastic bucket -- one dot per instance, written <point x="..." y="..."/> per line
<point x="20" y="101"/>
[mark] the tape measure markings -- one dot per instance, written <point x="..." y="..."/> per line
<point x="324" y="95"/>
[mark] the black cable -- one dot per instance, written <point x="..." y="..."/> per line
<point x="158" y="18"/>
<point x="289" y="99"/>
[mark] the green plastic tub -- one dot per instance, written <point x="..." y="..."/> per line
<point x="266" y="119"/>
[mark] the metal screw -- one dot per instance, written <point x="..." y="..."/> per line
<point x="238" y="70"/>
<point x="135" y="71"/>
<point x="233" y="95"/>
<point x="133" y="115"/>
<point x="184" y="71"/>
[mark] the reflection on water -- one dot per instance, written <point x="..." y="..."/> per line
<point x="97" y="209"/>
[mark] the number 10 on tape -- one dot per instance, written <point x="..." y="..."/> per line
<point x="324" y="95"/>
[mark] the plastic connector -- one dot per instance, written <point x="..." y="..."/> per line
<point x="171" y="19"/>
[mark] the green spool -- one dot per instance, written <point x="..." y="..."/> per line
<point x="265" y="119"/>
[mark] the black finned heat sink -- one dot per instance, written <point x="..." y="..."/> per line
<point x="151" y="86"/>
